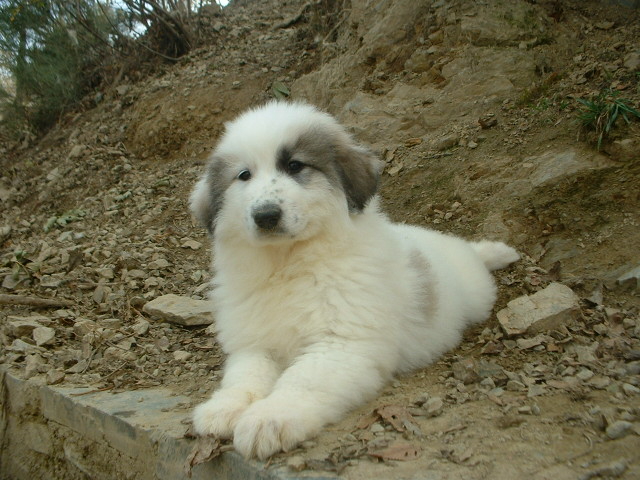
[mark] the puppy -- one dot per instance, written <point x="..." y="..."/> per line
<point x="319" y="298"/>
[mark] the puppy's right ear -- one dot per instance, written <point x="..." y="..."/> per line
<point x="359" y="171"/>
<point x="208" y="194"/>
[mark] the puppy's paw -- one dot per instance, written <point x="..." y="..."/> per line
<point x="219" y="415"/>
<point x="268" y="427"/>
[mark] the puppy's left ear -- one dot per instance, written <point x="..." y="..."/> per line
<point x="359" y="171"/>
<point x="208" y="195"/>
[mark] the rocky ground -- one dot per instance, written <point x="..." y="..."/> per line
<point x="473" y="107"/>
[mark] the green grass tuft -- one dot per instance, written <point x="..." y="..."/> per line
<point x="601" y="112"/>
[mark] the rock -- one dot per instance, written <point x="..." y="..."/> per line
<point x="24" y="326"/>
<point x="605" y="25"/>
<point x="77" y="151"/>
<point x="122" y="90"/>
<point x="181" y="355"/>
<point x="106" y="273"/>
<point x="612" y="470"/>
<point x="630" y="389"/>
<point x="54" y="377"/>
<point x="83" y="326"/>
<point x="630" y="279"/>
<point x="158" y="264"/>
<point x="446" y="142"/>
<point x="181" y="310"/>
<point x="527" y="343"/>
<point x="584" y="374"/>
<point x="5" y="233"/>
<point x="44" y="336"/>
<point x="624" y="150"/>
<point x="33" y="364"/>
<point x="141" y="327"/>
<point x="51" y="281"/>
<point x="79" y="367"/>
<point x="376" y="428"/>
<point x="433" y="407"/>
<point x="548" y="309"/>
<point x="297" y="463"/>
<point x="618" y="429"/>
<point x="536" y="390"/>
<point x="487" y="121"/>
<point x="22" y="347"/>
<point x="515" y="386"/>
<point x="192" y="244"/>
<point x="632" y="61"/>
<point x="466" y="371"/>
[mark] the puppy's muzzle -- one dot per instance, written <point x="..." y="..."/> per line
<point x="267" y="216"/>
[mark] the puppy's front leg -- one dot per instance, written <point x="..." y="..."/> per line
<point x="317" y="389"/>
<point x="248" y="376"/>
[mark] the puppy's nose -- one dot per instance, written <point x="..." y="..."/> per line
<point x="267" y="216"/>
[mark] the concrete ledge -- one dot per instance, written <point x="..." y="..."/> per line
<point x="64" y="432"/>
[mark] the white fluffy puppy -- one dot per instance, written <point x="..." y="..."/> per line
<point x="319" y="298"/>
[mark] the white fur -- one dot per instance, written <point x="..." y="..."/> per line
<point x="316" y="320"/>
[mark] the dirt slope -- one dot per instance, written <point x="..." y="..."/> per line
<point x="472" y="105"/>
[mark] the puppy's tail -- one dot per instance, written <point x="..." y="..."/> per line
<point x="495" y="255"/>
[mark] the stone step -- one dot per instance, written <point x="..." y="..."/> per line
<point x="65" y="432"/>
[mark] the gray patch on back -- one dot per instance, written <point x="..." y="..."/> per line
<point x="425" y="287"/>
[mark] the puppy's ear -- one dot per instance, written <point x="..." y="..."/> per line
<point x="359" y="171"/>
<point x="208" y="194"/>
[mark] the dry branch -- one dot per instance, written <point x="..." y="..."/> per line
<point x="34" y="301"/>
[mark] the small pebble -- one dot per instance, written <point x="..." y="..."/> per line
<point x="618" y="429"/>
<point x="376" y="428"/>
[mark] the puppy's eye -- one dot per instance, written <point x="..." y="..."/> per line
<point x="294" y="166"/>
<point x="244" y="175"/>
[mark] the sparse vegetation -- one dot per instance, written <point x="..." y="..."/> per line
<point x="56" y="53"/>
<point x="600" y="113"/>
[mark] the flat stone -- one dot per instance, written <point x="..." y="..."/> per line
<point x="548" y="309"/>
<point x="466" y="371"/>
<point x="24" y="326"/>
<point x="192" y="244"/>
<point x="632" y="61"/>
<point x="158" y="264"/>
<point x="618" y="429"/>
<point x="433" y="406"/>
<point x="44" y="335"/>
<point x="84" y="326"/>
<point x="181" y="355"/>
<point x="54" y="377"/>
<point x="141" y="327"/>
<point x="181" y="310"/>
<point x="630" y="279"/>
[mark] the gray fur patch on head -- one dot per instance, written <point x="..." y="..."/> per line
<point x="353" y="169"/>
<point x="208" y="196"/>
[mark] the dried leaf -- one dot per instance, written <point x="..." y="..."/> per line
<point x="412" y="142"/>
<point x="398" y="452"/>
<point x="204" y="449"/>
<point x="399" y="418"/>
<point x="366" y="421"/>
<point x="280" y="90"/>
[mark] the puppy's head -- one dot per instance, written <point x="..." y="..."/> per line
<point x="280" y="173"/>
